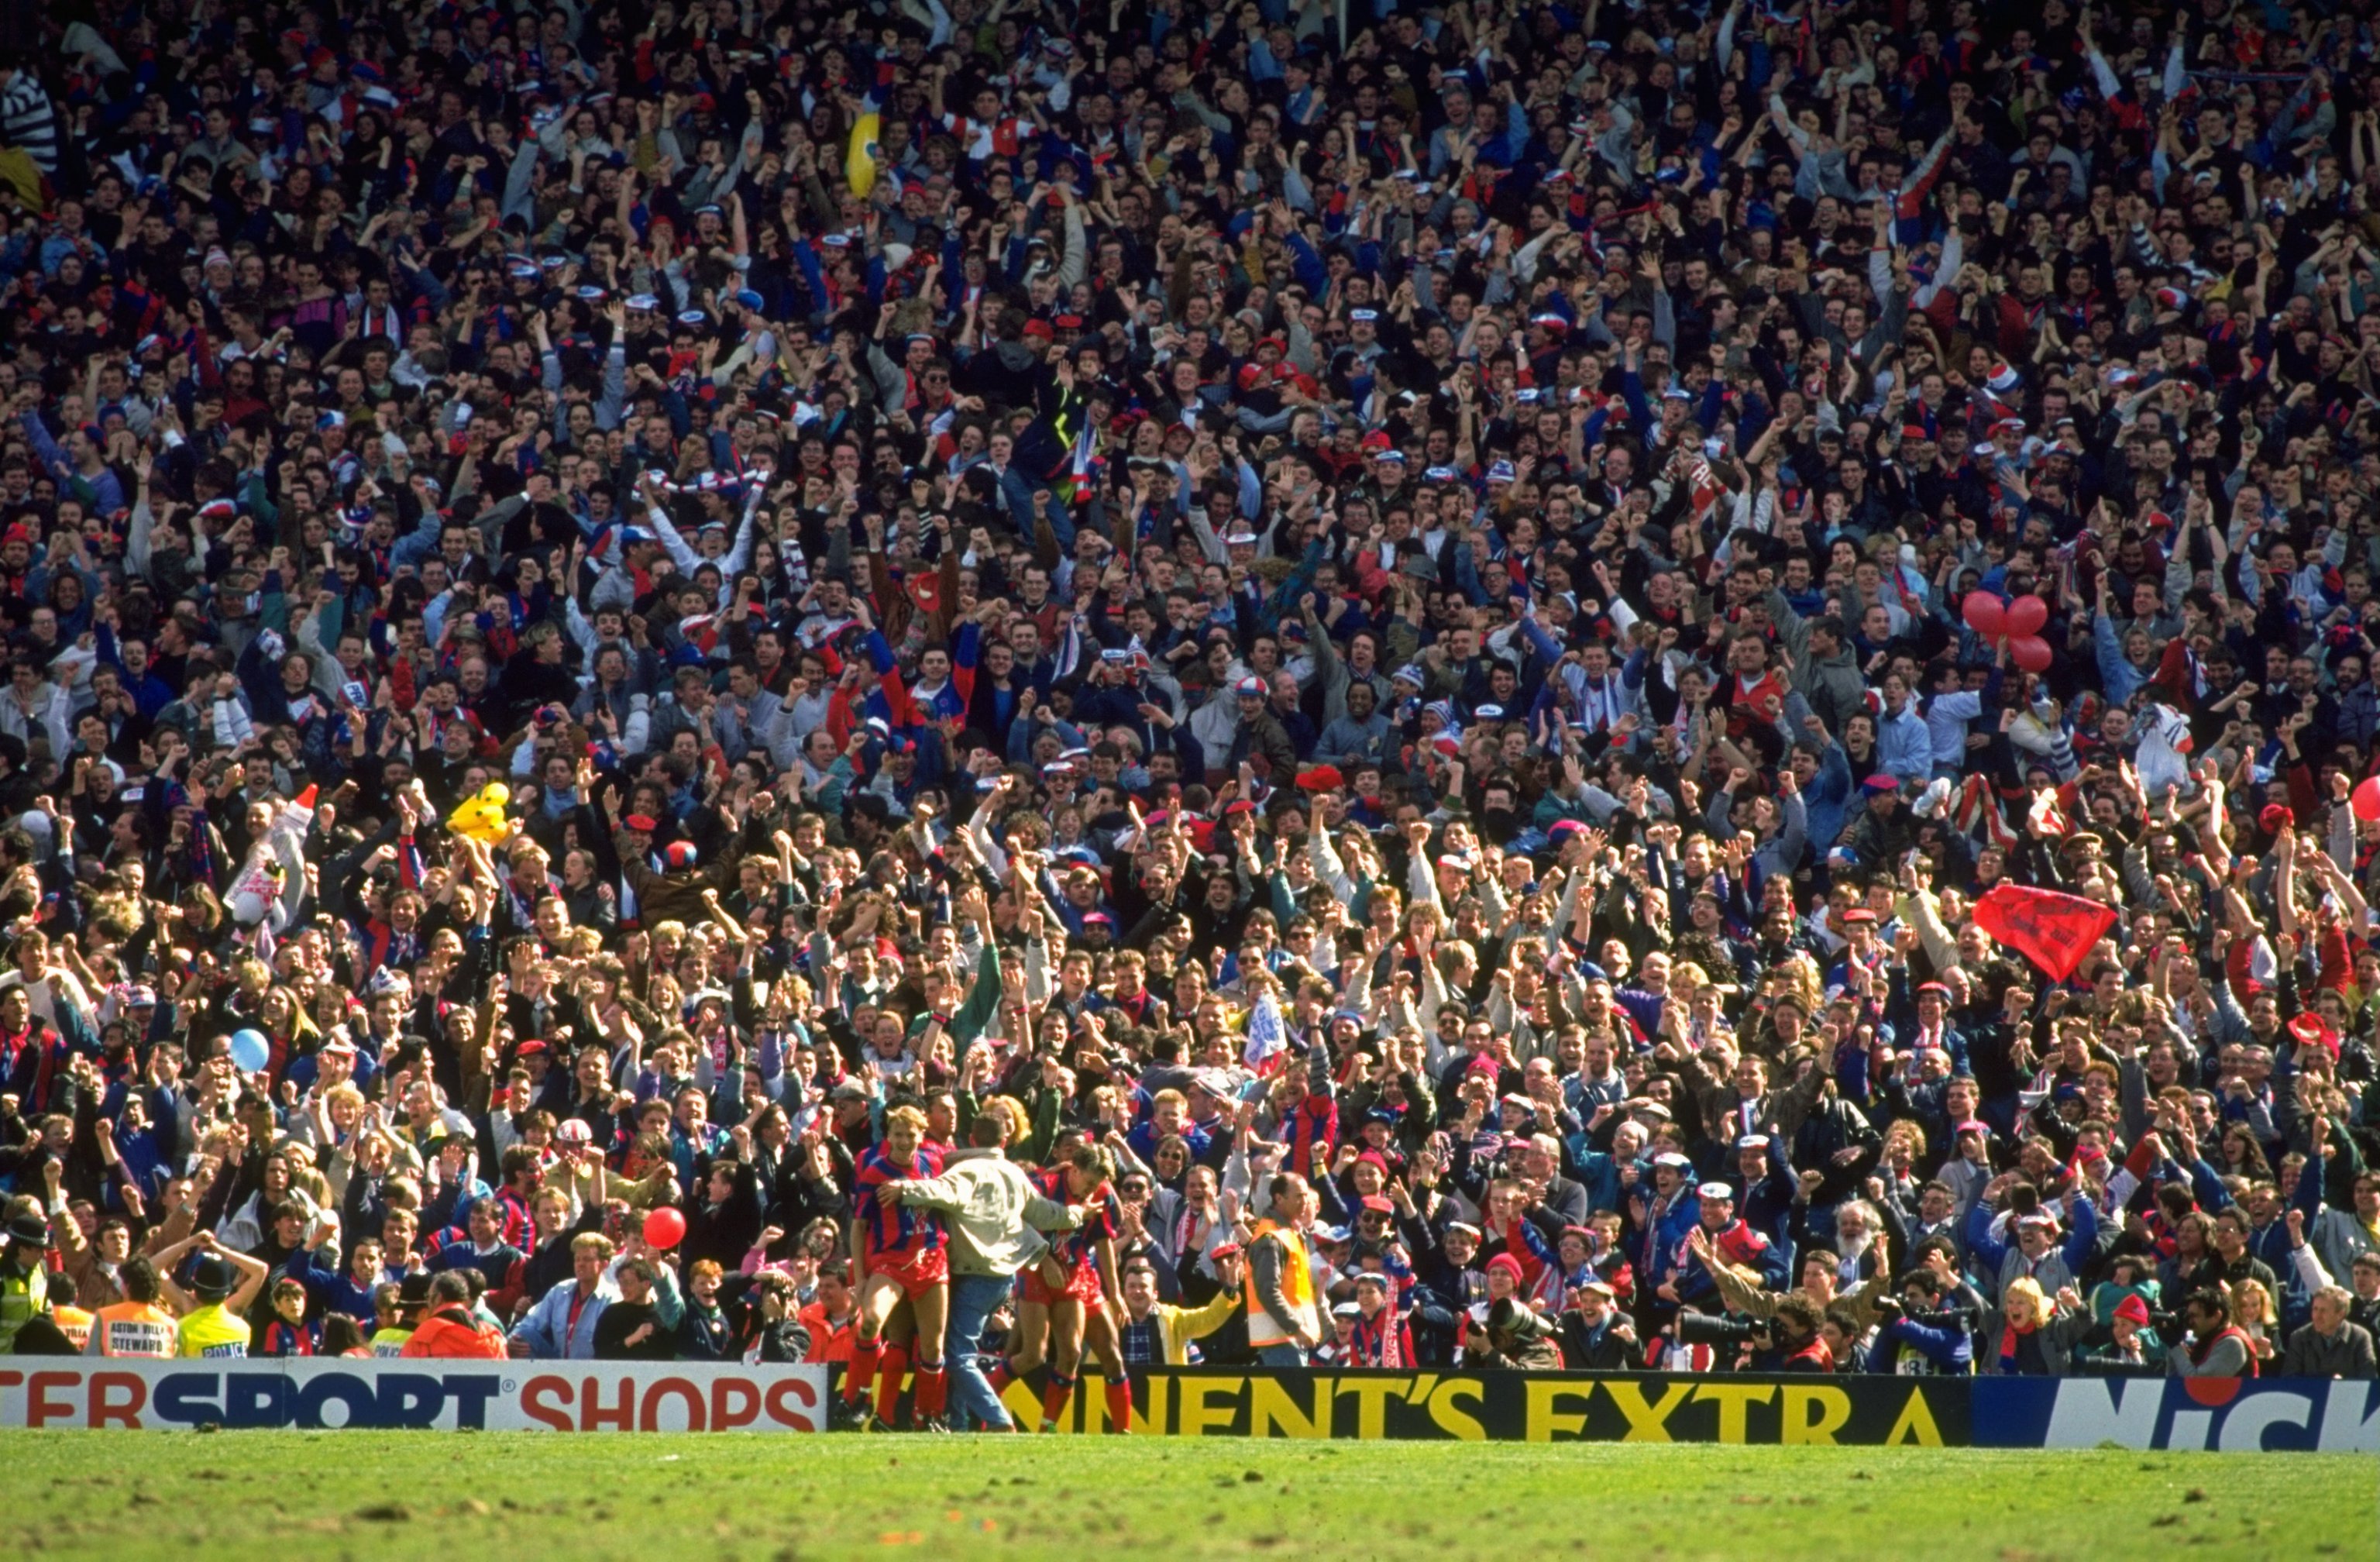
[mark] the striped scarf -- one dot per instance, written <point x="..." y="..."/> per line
<point x="1382" y="1340"/>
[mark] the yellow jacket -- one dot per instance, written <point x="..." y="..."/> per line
<point x="1177" y="1326"/>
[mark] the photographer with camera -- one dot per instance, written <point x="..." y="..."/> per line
<point x="1719" y="1342"/>
<point x="1745" y="1291"/>
<point x="1928" y="1330"/>
<point x="1514" y="1336"/>
<point x="2215" y="1347"/>
<point x="1795" y="1343"/>
<point x="1748" y="1336"/>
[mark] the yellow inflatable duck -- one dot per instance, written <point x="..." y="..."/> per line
<point x="481" y="816"/>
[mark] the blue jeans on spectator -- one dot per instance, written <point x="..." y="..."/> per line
<point x="1288" y="1353"/>
<point x="1016" y="491"/>
<point x="974" y="1297"/>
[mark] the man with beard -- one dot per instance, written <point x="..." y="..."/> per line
<point x="1362" y="736"/>
<point x="1500" y="810"/>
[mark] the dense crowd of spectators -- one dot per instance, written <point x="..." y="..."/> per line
<point x="1384" y="644"/>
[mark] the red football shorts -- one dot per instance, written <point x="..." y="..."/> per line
<point x="916" y="1272"/>
<point x="1082" y="1285"/>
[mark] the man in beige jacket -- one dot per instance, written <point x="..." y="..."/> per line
<point x="996" y="1217"/>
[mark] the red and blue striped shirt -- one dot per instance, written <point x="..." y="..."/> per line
<point x="894" y="1230"/>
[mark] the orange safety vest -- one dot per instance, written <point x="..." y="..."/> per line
<point x="1296" y="1289"/>
<point x="132" y="1328"/>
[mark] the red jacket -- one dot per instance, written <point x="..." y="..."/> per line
<point x="829" y="1341"/>
<point x="453" y="1333"/>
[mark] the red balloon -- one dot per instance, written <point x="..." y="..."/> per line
<point x="664" y="1229"/>
<point x="2029" y="652"/>
<point x="2366" y="799"/>
<point x="2026" y="615"/>
<point x="1986" y="615"/>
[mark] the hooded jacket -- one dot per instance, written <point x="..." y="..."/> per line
<point x="453" y="1333"/>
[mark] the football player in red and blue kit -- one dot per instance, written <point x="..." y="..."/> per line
<point x="1061" y="1313"/>
<point x="900" y="1269"/>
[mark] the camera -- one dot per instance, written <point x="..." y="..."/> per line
<point x="1715" y="1329"/>
<point x="2104" y="1366"/>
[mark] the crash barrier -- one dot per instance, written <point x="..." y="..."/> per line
<point x="2232" y="1415"/>
<point x="2226" y="1414"/>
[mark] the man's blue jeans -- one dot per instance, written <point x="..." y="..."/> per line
<point x="1016" y="492"/>
<point x="974" y="1297"/>
<point x="1286" y="1354"/>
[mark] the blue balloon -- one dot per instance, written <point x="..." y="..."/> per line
<point x="250" y="1051"/>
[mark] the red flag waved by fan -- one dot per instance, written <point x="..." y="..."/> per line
<point x="2053" y="930"/>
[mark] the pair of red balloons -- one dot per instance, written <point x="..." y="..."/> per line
<point x="2019" y="622"/>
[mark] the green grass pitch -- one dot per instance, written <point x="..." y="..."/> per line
<point x="343" y="1497"/>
